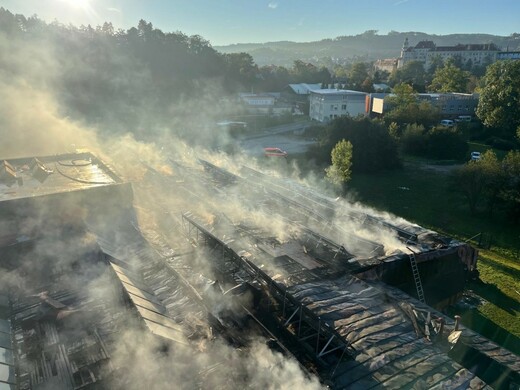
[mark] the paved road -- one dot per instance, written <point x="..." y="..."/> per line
<point x="284" y="137"/>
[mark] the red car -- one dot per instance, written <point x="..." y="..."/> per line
<point x="274" y="152"/>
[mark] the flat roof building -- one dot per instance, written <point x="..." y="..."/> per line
<point x="328" y="104"/>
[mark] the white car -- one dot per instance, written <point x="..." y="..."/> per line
<point x="475" y="156"/>
<point x="447" y="123"/>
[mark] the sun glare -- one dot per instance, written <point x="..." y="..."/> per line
<point x="83" y="5"/>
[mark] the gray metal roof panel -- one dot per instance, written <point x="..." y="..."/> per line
<point x="6" y="356"/>
<point x="158" y="308"/>
<point x="140" y="293"/>
<point x="7" y="374"/>
<point x="5" y="341"/>
<point x="165" y="332"/>
<point x="5" y="326"/>
<point x="159" y="319"/>
<point x="134" y="282"/>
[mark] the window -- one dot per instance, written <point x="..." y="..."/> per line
<point x="343" y="106"/>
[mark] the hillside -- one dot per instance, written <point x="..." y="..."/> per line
<point x="368" y="46"/>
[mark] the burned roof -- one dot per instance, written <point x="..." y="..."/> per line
<point x="46" y="175"/>
<point x="364" y="333"/>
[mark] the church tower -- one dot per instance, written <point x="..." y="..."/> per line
<point x="404" y="49"/>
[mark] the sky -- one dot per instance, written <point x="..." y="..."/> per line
<point x="225" y="22"/>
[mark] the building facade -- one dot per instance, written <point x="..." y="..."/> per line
<point x="328" y="104"/>
<point x="427" y="51"/>
<point x="386" y="65"/>
<point x="450" y="105"/>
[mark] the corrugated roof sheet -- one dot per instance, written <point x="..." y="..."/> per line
<point x="303" y="88"/>
<point x="66" y="172"/>
<point x="148" y="305"/>
<point x="390" y="353"/>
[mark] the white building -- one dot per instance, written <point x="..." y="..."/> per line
<point x="257" y="100"/>
<point x="426" y="51"/>
<point x="328" y="104"/>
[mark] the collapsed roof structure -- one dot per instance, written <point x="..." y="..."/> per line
<point x="94" y="268"/>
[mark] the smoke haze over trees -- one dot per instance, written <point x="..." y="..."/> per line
<point x="142" y="80"/>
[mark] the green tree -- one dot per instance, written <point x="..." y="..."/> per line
<point x="414" y="140"/>
<point x="374" y="150"/>
<point x="450" y="78"/>
<point x="483" y="181"/>
<point x="241" y="68"/>
<point x="511" y="191"/>
<point x="380" y="76"/>
<point x="394" y="131"/>
<point x="357" y="75"/>
<point x="436" y="62"/>
<point x="404" y="95"/>
<point x="405" y="108"/>
<point x="499" y="102"/>
<point x="494" y="179"/>
<point x="412" y="73"/>
<point x="341" y="156"/>
<point x="469" y="180"/>
<point x="446" y="143"/>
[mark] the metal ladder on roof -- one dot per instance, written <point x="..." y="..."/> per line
<point x="417" y="278"/>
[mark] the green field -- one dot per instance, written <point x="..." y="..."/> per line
<point x="424" y="195"/>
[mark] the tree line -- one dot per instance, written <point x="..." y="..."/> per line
<point x="140" y="78"/>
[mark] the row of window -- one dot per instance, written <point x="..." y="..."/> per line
<point x="452" y="108"/>
<point x="334" y="107"/>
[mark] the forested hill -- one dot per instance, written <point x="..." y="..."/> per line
<point x="363" y="47"/>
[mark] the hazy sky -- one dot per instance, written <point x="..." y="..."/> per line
<point x="239" y="21"/>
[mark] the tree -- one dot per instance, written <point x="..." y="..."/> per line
<point x="482" y="180"/>
<point x="380" y="76"/>
<point x="405" y="108"/>
<point x="414" y="140"/>
<point x="241" y="68"/>
<point x="436" y="62"/>
<point x="357" y="75"/>
<point x="494" y="179"/>
<point x="511" y="191"/>
<point x="446" y="143"/>
<point x="499" y="102"/>
<point x="411" y="73"/>
<point x="404" y="95"/>
<point x="468" y="180"/>
<point x="341" y="156"/>
<point x="374" y="150"/>
<point x="450" y="78"/>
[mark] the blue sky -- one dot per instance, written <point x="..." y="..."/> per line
<point x="242" y="21"/>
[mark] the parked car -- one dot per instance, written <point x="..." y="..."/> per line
<point x="475" y="156"/>
<point x="447" y="123"/>
<point x="274" y="152"/>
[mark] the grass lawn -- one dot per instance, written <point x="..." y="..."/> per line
<point x="426" y="197"/>
<point x="478" y="147"/>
